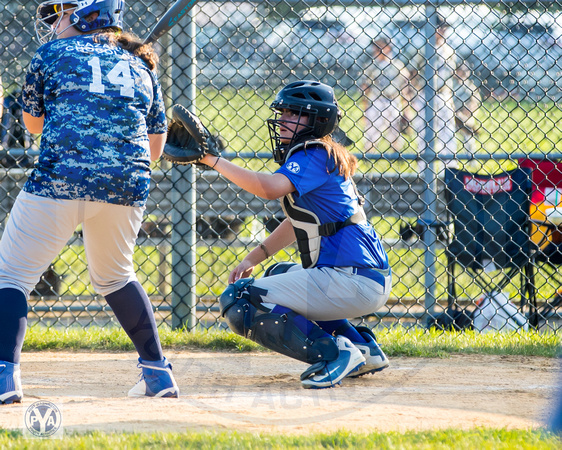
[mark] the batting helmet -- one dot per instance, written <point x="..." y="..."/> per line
<point x="312" y="99"/>
<point x="82" y="16"/>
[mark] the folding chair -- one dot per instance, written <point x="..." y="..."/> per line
<point x="490" y="235"/>
<point x="546" y="228"/>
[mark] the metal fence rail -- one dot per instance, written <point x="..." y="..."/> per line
<point x="484" y="97"/>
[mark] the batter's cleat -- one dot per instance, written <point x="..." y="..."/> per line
<point x="10" y="383"/>
<point x="328" y="374"/>
<point x="375" y="357"/>
<point x="156" y="380"/>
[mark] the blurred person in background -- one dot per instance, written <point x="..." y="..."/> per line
<point x="383" y="83"/>
<point x="467" y="100"/>
<point x="415" y="105"/>
<point x="555" y="419"/>
<point x="443" y="105"/>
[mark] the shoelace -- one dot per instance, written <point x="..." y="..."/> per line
<point x="141" y="376"/>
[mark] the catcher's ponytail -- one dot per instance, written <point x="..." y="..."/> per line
<point x="345" y="162"/>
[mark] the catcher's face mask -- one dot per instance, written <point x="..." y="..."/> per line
<point x="286" y="129"/>
<point x="305" y="98"/>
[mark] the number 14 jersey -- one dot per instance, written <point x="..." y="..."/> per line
<point x="100" y="103"/>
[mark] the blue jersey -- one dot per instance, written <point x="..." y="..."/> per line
<point x="333" y="199"/>
<point x="100" y="102"/>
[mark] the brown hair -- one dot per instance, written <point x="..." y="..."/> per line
<point x="130" y="42"/>
<point x="346" y="163"/>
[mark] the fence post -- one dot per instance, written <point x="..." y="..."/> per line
<point x="184" y="249"/>
<point x="430" y="163"/>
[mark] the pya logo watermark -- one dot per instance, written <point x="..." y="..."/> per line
<point x="43" y="419"/>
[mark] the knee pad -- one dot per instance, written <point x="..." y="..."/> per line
<point x="239" y="303"/>
<point x="277" y="268"/>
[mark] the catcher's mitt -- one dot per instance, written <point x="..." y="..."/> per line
<point x="188" y="139"/>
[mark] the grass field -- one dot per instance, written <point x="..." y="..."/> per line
<point x="484" y="439"/>
<point x="396" y="341"/>
<point x="507" y="126"/>
<point x="214" y="263"/>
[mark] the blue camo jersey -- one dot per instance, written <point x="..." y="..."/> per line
<point x="100" y="103"/>
<point x="333" y="199"/>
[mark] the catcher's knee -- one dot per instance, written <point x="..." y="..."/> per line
<point x="278" y="268"/>
<point x="239" y="304"/>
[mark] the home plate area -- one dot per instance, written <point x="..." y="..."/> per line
<point x="261" y="392"/>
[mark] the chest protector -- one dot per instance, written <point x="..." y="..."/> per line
<point x="308" y="229"/>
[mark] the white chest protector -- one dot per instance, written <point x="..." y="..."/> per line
<point x="307" y="226"/>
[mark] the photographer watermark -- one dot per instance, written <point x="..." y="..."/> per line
<point x="43" y="419"/>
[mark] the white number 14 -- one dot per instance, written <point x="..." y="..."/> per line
<point x="120" y="75"/>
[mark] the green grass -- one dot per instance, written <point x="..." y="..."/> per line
<point x="115" y="339"/>
<point x="481" y="438"/>
<point x="214" y="263"/>
<point x="396" y="341"/>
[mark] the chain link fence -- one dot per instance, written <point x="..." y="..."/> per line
<point x="424" y="88"/>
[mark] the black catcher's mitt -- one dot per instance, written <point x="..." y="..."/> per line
<point x="188" y="139"/>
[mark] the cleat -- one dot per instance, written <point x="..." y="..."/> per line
<point x="10" y="383"/>
<point x="375" y="358"/>
<point x="156" y="380"/>
<point x="327" y="374"/>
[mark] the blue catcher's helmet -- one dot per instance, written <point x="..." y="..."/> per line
<point x="82" y="16"/>
<point x="310" y="98"/>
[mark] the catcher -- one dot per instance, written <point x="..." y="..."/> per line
<point x="301" y="310"/>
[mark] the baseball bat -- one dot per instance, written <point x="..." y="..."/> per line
<point x="168" y="20"/>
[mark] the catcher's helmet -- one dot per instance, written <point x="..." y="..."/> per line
<point x="49" y="13"/>
<point x="310" y="98"/>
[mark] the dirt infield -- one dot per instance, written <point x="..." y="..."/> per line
<point x="261" y="392"/>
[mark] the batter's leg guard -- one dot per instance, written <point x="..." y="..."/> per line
<point x="329" y="374"/>
<point x="10" y="383"/>
<point x="156" y="380"/>
<point x="375" y="358"/>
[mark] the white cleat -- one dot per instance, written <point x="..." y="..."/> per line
<point x="328" y="374"/>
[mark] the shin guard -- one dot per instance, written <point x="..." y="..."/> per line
<point x="241" y="307"/>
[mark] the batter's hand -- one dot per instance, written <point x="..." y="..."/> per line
<point x="242" y="270"/>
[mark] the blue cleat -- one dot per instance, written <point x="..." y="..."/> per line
<point x="156" y="380"/>
<point x="10" y="383"/>
<point x="375" y="357"/>
<point x="328" y="374"/>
